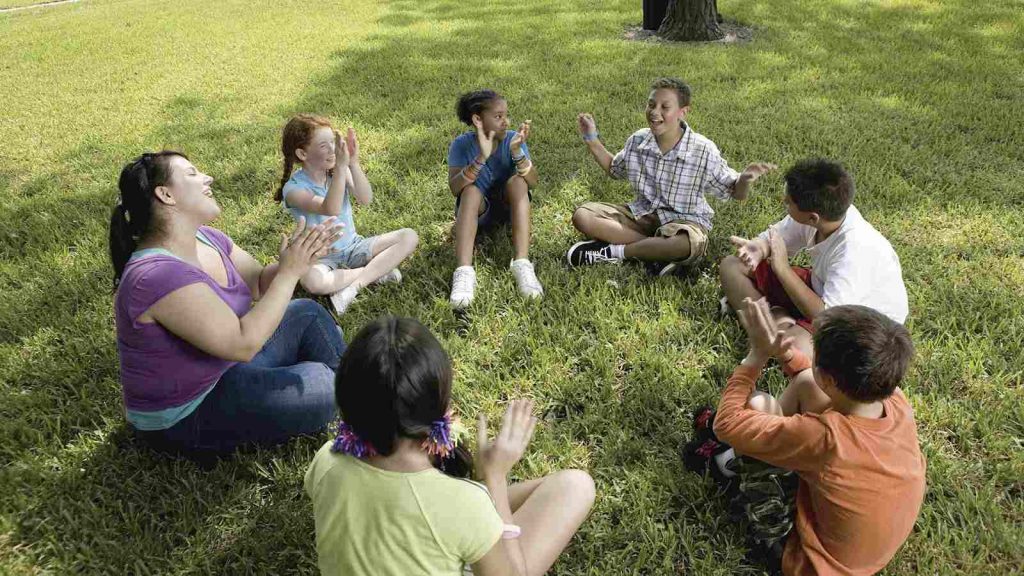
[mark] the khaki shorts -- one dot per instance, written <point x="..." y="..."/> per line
<point x="649" y="225"/>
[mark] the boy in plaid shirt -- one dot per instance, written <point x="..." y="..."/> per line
<point x="670" y="169"/>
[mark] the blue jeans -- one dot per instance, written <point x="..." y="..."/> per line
<point x="286" y="390"/>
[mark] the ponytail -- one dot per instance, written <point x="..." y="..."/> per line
<point x="132" y="217"/>
<point x="394" y="381"/>
<point x="297" y="133"/>
<point x="122" y="244"/>
<point x="285" y="175"/>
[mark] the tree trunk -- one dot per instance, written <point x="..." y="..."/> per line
<point x="691" y="20"/>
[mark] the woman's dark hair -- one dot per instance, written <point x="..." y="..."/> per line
<point x="394" y="381"/>
<point x="474" y="103"/>
<point x="132" y="217"/>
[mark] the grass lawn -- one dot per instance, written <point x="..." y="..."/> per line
<point x="921" y="99"/>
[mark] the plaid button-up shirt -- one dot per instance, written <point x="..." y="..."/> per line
<point x="673" y="185"/>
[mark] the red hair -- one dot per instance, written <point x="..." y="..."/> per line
<point x="298" y="133"/>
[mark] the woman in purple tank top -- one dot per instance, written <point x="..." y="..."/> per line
<point x="204" y="369"/>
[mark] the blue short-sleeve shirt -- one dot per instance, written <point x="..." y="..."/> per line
<point x="498" y="168"/>
<point x="301" y="181"/>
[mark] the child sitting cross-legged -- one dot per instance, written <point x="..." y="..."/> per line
<point x="670" y="169"/>
<point x="391" y="495"/>
<point x="843" y="425"/>
<point x="329" y="178"/>
<point x="851" y="262"/>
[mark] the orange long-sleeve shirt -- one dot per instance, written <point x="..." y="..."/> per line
<point x="862" y="480"/>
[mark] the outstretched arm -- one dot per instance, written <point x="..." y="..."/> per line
<point x="741" y="188"/>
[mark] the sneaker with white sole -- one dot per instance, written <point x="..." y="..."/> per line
<point x="724" y="308"/>
<point x="590" y="252"/>
<point x="526" y="279"/>
<point x="392" y="277"/>
<point x="344" y="298"/>
<point x="463" y="287"/>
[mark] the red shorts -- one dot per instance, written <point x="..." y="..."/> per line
<point x="767" y="283"/>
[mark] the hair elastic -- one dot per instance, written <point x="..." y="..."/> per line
<point x="348" y="442"/>
<point x="444" y="436"/>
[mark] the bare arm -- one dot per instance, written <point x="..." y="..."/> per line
<point x="741" y="188"/>
<point x="249" y="268"/>
<point x="459" y="177"/>
<point x="516" y="146"/>
<point x="588" y="129"/>
<point x="257" y="276"/>
<point x="355" y="177"/>
<point x="496" y="459"/>
<point x="809" y="303"/>
<point x="197" y="315"/>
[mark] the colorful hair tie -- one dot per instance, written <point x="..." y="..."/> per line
<point x="348" y="442"/>
<point x="444" y="436"/>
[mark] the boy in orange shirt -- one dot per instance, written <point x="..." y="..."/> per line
<point x="862" y="474"/>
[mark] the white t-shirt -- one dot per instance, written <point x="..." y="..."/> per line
<point x="855" y="265"/>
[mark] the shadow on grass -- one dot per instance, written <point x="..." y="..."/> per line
<point x="628" y="395"/>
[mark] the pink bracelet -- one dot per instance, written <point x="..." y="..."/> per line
<point x="510" y="531"/>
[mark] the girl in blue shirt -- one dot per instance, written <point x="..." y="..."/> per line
<point x="329" y="177"/>
<point x="490" y="174"/>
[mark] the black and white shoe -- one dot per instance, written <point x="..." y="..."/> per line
<point x="590" y="252"/>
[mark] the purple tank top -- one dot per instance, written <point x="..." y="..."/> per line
<point x="158" y="369"/>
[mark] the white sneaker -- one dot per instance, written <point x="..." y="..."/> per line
<point x="526" y="279"/>
<point x="463" y="287"/>
<point x="724" y="309"/>
<point x="342" y="299"/>
<point x="392" y="277"/>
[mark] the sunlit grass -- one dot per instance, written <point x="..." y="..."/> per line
<point x="920" y="99"/>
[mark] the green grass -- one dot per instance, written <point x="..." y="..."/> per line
<point x="920" y="98"/>
<point x="22" y="3"/>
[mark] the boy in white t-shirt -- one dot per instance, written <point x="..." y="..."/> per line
<point x="851" y="262"/>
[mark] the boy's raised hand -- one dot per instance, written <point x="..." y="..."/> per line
<point x="765" y="337"/>
<point x="750" y="252"/>
<point x="485" y="141"/>
<point x="352" y="146"/>
<point x="754" y="171"/>
<point x="498" y="457"/>
<point x="587" y="125"/>
<point x="520" y="138"/>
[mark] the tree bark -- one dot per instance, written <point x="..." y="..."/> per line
<point x="691" y="20"/>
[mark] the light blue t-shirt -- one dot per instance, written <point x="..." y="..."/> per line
<point x="299" y="181"/>
<point x="498" y="168"/>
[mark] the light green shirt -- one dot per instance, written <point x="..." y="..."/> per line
<point x="376" y="522"/>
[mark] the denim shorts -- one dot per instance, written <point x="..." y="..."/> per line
<point x="355" y="255"/>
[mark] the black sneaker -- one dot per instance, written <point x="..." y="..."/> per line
<point x="661" y="268"/>
<point x="589" y="252"/>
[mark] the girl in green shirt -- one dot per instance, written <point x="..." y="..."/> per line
<point x="390" y="493"/>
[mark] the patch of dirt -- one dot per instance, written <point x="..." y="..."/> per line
<point x="734" y="33"/>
